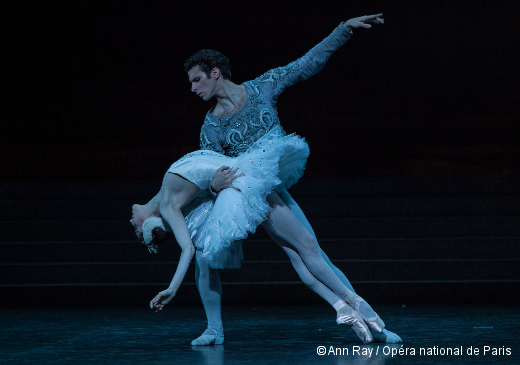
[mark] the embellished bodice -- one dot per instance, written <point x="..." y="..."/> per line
<point x="233" y="134"/>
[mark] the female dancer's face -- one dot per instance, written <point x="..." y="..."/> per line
<point x="138" y="217"/>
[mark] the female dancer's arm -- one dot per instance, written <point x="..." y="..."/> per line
<point x="177" y="192"/>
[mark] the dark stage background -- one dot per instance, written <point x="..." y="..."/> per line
<point x="97" y="91"/>
<point x="411" y="186"/>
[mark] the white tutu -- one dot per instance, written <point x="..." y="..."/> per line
<point x="218" y="226"/>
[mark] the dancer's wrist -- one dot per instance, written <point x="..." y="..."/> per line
<point x="213" y="191"/>
<point x="347" y="27"/>
<point x="171" y="291"/>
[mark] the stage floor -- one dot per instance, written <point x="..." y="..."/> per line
<point x="256" y="335"/>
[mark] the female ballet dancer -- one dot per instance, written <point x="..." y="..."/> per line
<point x="272" y="161"/>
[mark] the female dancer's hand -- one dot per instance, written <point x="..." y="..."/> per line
<point x="162" y="299"/>
<point x="364" y="21"/>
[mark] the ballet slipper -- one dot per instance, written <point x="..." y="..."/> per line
<point x="370" y="317"/>
<point x="208" y="339"/>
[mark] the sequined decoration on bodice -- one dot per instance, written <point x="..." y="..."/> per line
<point x="243" y="128"/>
<point x="234" y="134"/>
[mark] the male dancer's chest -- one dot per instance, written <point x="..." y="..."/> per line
<point x="241" y="129"/>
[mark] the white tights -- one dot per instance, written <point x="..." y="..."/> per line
<point x="210" y="288"/>
<point x="287" y="231"/>
<point x="289" y="228"/>
<point x="307" y="278"/>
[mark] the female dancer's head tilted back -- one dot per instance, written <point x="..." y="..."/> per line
<point x="155" y="231"/>
<point x="150" y="229"/>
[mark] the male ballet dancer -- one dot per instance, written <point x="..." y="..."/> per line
<point x="243" y="114"/>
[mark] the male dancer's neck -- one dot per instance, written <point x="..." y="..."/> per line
<point x="230" y="98"/>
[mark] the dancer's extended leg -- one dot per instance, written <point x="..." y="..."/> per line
<point x="308" y="279"/>
<point x="345" y="315"/>
<point x="384" y="336"/>
<point x="285" y="229"/>
<point x="210" y="289"/>
<point x="295" y="208"/>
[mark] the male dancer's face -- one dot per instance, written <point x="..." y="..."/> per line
<point x="203" y="86"/>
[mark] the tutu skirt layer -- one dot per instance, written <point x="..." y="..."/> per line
<point x="217" y="227"/>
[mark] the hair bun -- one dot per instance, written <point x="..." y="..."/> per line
<point x="155" y="231"/>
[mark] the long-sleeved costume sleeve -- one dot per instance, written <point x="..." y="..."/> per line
<point x="308" y="65"/>
<point x="233" y="134"/>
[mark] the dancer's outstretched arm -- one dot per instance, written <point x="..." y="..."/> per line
<point x="177" y="192"/>
<point x="275" y="81"/>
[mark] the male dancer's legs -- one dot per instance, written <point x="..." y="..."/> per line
<point x="212" y="307"/>
<point x="295" y="208"/>
<point x="285" y="229"/>
<point x="210" y="289"/>
<point x="311" y="281"/>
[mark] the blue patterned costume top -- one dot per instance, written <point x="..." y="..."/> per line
<point x="233" y="134"/>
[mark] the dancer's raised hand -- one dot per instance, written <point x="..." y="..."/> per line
<point x="364" y="21"/>
<point x="162" y="299"/>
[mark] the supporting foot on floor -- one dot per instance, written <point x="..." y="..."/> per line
<point x="209" y="337"/>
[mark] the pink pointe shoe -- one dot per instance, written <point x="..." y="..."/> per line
<point x="370" y="317"/>
<point x="348" y="317"/>
<point x="357" y="325"/>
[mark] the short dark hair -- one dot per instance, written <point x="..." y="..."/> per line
<point x="207" y="60"/>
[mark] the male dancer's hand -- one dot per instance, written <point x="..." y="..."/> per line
<point x="224" y="178"/>
<point x="364" y="21"/>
